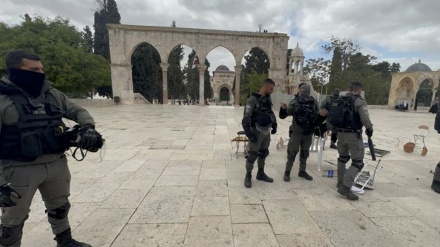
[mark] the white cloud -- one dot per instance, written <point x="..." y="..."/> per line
<point x="380" y="27"/>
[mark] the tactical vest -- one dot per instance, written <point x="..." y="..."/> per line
<point x="39" y="130"/>
<point x="263" y="105"/>
<point x="305" y="115"/>
<point x="342" y="113"/>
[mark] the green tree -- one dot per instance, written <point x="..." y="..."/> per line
<point x="395" y="67"/>
<point x="257" y="61"/>
<point x="252" y="85"/>
<point x="193" y="75"/>
<point x="346" y="48"/>
<point x="175" y="74"/>
<point x="146" y="72"/>
<point x="62" y="49"/>
<point x="107" y="13"/>
<point x="88" y="38"/>
<point x="336" y="71"/>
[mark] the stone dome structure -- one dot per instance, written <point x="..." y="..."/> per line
<point x="222" y="68"/>
<point x="418" y="67"/>
<point x="298" y="52"/>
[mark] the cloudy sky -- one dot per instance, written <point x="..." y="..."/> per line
<point x="401" y="31"/>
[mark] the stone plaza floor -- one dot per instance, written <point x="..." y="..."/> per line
<point x="170" y="177"/>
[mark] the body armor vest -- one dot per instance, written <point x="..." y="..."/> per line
<point x="39" y="130"/>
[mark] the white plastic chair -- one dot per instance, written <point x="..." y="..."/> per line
<point x="419" y="138"/>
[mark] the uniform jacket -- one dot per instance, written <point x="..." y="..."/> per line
<point x="257" y="103"/>
<point x="9" y="116"/>
<point x="292" y="108"/>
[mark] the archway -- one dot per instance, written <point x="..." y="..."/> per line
<point x="146" y="72"/>
<point x="424" y="94"/>
<point x="405" y="91"/>
<point x="224" y="94"/>
<point x="124" y="39"/>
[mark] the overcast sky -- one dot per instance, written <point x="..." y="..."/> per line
<point x="401" y="31"/>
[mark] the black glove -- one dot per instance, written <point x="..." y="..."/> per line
<point x="274" y="130"/>
<point x="5" y="196"/>
<point x="89" y="137"/>
<point x="369" y="132"/>
<point x="252" y="138"/>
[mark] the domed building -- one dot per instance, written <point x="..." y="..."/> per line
<point x="417" y="86"/>
<point x="296" y="74"/>
<point x="221" y="83"/>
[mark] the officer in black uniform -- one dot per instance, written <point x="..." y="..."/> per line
<point x="436" y="181"/>
<point x="350" y="139"/>
<point x="33" y="140"/>
<point x="259" y="122"/>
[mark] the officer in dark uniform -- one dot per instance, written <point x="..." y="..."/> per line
<point x="326" y="105"/>
<point x="436" y="181"/>
<point x="32" y="145"/>
<point x="350" y="143"/>
<point x="259" y="122"/>
<point x="301" y="130"/>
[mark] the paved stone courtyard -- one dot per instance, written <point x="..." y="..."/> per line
<point x="171" y="178"/>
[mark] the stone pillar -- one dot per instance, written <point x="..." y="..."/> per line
<point x="122" y="83"/>
<point x="301" y="67"/>
<point x="164" y="67"/>
<point x="202" y="69"/>
<point x="237" y="85"/>
<point x="289" y="71"/>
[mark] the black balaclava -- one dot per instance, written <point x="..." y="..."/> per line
<point x="29" y="81"/>
<point x="336" y="92"/>
<point x="305" y="96"/>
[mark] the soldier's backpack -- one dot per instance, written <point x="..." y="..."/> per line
<point x="305" y="115"/>
<point x="341" y="111"/>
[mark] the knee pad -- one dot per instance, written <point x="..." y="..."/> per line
<point x="304" y="154"/>
<point x="437" y="173"/>
<point x="263" y="153"/>
<point x="11" y="235"/>
<point x="252" y="156"/>
<point x="291" y="155"/>
<point x="344" y="159"/>
<point x="59" y="213"/>
<point x="358" y="164"/>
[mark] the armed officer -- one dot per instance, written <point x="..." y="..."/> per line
<point x="259" y="122"/>
<point x="349" y="119"/>
<point x="325" y="105"/>
<point x="305" y="112"/>
<point x="32" y="146"/>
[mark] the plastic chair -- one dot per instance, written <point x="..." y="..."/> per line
<point x="419" y="138"/>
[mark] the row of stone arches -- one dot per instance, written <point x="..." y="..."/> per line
<point x="223" y="93"/>
<point x="124" y="39"/>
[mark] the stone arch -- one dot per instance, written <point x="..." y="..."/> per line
<point x="405" y="89"/>
<point x="222" y="86"/>
<point x="425" y="92"/>
<point x="133" y="49"/>
<point x="124" y="39"/>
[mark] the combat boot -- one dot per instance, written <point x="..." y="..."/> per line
<point x="333" y="145"/>
<point x="304" y="174"/>
<point x="263" y="177"/>
<point x="345" y="191"/>
<point x="248" y="181"/>
<point x="65" y="239"/>
<point x="339" y="184"/>
<point x="287" y="176"/>
<point x="435" y="186"/>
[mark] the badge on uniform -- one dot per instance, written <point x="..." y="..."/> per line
<point x="248" y="108"/>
